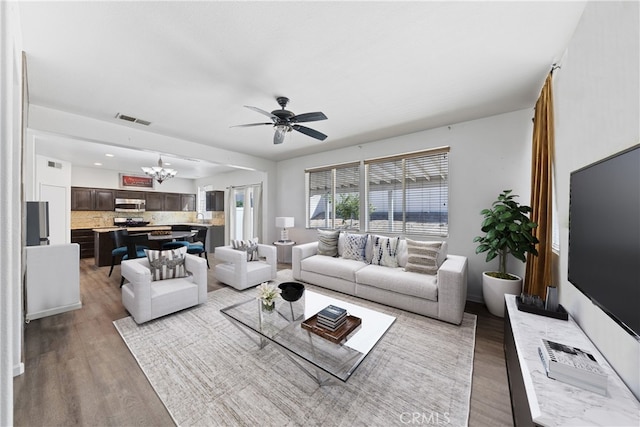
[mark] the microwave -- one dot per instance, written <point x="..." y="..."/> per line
<point x="129" y="205"/>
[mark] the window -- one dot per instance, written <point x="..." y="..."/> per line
<point x="409" y="194"/>
<point x="405" y="194"/>
<point x="245" y="220"/>
<point x="201" y="200"/>
<point x="333" y="197"/>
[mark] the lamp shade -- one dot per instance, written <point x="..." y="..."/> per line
<point x="284" y="221"/>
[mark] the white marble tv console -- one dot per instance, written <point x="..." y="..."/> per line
<point x="541" y="401"/>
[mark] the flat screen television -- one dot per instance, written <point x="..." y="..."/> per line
<point x="604" y="236"/>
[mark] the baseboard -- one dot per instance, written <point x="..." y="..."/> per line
<point x="18" y="369"/>
<point x="52" y="311"/>
<point x="475" y="298"/>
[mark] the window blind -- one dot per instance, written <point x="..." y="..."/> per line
<point x="409" y="194"/>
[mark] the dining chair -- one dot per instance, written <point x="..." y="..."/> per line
<point x="177" y="243"/>
<point x="198" y="246"/>
<point x="136" y="244"/>
<point x="119" y="238"/>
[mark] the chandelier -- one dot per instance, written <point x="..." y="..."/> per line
<point x="159" y="173"/>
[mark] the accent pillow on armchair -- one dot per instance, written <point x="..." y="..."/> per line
<point x="167" y="264"/>
<point x="249" y="246"/>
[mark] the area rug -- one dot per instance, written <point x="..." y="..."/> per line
<point x="207" y="372"/>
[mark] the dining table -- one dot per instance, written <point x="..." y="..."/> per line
<point x="172" y="236"/>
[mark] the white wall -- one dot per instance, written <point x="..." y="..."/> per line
<point x="104" y="178"/>
<point x="487" y="156"/>
<point x="597" y="114"/>
<point x="11" y="208"/>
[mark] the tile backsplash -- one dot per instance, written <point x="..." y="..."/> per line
<point x="96" y="219"/>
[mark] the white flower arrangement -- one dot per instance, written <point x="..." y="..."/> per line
<point x="268" y="293"/>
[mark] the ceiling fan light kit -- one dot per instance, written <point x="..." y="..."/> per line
<point x="284" y="121"/>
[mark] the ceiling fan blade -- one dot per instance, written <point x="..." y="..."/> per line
<point x="251" y="124"/>
<point x="310" y="132"/>
<point x="261" y="111"/>
<point x="308" y="117"/>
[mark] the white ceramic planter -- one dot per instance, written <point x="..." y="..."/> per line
<point x="494" y="290"/>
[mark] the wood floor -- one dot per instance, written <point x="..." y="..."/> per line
<point x="78" y="370"/>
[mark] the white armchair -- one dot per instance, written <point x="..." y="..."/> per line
<point x="146" y="300"/>
<point x="234" y="270"/>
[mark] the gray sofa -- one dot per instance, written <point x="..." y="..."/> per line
<point x="441" y="296"/>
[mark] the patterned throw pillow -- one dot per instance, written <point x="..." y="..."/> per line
<point x="249" y="246"/>
<point x="422" y="256"/>
<point x="385" y="251"/>
<point x="328" y="242"/>
<point x="354" y="245"/>
<point x="167" y="264"/>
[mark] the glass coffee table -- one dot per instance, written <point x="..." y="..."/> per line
<point x="316" y="356"/>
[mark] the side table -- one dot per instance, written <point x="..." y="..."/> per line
<point x="284" y="250"/>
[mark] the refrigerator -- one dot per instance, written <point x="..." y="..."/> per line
<point x="37" y="223"/>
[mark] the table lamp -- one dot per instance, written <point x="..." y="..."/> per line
<point x="284" y="222"/>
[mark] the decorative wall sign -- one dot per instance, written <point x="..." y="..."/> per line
<point x="135" y="181"/>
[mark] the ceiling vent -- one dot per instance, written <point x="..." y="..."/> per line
<point x="132" y="119"/>
<point x="54" y="164"/>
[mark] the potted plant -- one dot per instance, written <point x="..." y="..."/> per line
<point x="508" y="230"/>
<point x="267" y="294"/>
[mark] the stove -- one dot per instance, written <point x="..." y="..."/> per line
<point x="130" y="222"/>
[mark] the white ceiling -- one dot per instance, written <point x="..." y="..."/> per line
<point x="376" y="69"/>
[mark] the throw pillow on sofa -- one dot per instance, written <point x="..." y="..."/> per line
<point x="167" y="264"/>
<point x="354" y="246"/>
<point x="423" y="256"/>
<point x="249" y="246"/>
<point x="328" y="242"/>
<point x="385" y="251"/>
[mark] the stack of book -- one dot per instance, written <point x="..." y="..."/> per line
<point x="332" y="317"/>
<point x="573" y="366"/>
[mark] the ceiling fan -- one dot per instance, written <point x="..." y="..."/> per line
<point x="284" y="121"/>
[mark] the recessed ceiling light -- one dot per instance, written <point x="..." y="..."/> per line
<point x="97" y="164"/>
<point x="109" y="155"/>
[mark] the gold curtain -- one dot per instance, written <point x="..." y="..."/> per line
<point x="538" y="274"/>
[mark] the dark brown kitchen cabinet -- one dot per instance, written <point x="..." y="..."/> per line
<point x="91" y="199"/>
<point x="188" y="202"/>
<point x="127" y="194"/>
<point x="172" y="202"/>
<point x="82" y="199"/>
<point x="215" y="201"/>
<point x="104" y="199"/>
<point x="155" y="202"/>
<point x="84" y="237"/>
